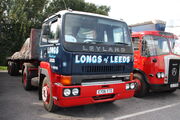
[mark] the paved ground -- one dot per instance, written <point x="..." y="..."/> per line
<point x="17" y="104"/>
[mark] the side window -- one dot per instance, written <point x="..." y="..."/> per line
<point x="53" y="36"/>
<point x="52" y="32"/>
<point x="135" y="41"/>
<point x="149" y="46"/>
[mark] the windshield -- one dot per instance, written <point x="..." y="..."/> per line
<point x="175" y="45"/>
<point x="94" y="30"/>
<point x="154" y="45"/>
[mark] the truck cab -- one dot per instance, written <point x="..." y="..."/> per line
<point x="156" y="66"/>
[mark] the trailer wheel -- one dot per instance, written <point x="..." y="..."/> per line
<point x="13" y="69"/>
<point x="142" y="88"/>
<point x="47" y="96"/>
<point x="26" y="81"/>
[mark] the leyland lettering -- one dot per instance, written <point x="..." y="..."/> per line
<point x="103" y="49"/>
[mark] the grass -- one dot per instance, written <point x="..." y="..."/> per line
<point x="3" y="67"/>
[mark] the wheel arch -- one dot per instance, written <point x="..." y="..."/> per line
<point x="143" y="75"/>
<point x="44" y="71"/>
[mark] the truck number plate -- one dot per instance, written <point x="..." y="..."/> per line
<point x="104" y="91"/>
<point x="174" y="85"/>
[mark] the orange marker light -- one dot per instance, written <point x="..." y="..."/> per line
<point x="66" y="80"/>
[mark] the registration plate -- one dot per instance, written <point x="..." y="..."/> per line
<point x="104" y="91"/>
<point x="174" y="85"/>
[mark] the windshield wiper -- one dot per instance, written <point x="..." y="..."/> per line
<point x="93" y="41"/>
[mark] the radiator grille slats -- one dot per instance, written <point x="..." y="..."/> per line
<point x="99" y="69"/>
<point x="173" y="72"/>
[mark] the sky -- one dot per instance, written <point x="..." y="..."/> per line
<point x="137" y="11"/>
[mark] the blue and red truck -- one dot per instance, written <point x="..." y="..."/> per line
<point x="77" y="58"/>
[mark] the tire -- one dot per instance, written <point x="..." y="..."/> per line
<point x="13" y="69"/>
<point x="142" y="89"/>
<point x="47" y="96"/>
<point x="26" y="81"/>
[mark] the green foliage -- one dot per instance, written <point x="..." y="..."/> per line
<point x="3" y="67"/>
<point x="17" y="17"/>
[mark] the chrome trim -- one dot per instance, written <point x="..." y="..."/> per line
<point x="116" y="76"/>
<point x="101" y="83"/>
<point x="58" y="84"/>
<point x="79" y="79"/>
<point x="54" y="97"/>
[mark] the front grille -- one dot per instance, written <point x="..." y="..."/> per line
<point x="98" y="69"/>
<point x="102" y="97"/>
<point x="173" y="73"/>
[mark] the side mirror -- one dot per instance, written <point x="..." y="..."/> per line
<point x="46" y="29"/>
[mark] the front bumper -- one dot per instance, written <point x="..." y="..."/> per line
<point x="162" y="87"/>
<point x="88" y="94"/>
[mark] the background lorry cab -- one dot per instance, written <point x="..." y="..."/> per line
<point x="155" y="64"/>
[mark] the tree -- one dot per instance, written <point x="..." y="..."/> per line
<point x="17" y="17"/>
<point x="79" y="5"/>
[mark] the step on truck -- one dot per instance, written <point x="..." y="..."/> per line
<point x="155" y="64"/>
<point x="77" y="58"/>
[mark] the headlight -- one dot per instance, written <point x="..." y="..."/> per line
<point x="162" y="75"/>
<point x="132" y="85"/>
<point x="67" y="92"/>
<point x="75" y="91"/>
<point x="127" y="86"/>
<point x="158" y="75"/>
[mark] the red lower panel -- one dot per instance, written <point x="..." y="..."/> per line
<point x="88" y="95"/>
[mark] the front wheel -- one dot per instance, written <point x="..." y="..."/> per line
<point x="26" y="81"/>
<point x="142" y="88"/>
<point x="47" y="96"/>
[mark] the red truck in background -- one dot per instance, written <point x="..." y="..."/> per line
<point x="76" y="59"/>
<point x="155" y="64"/>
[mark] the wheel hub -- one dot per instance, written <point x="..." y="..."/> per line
<point x="139" y="85"/>
<point x="45" y="94"/>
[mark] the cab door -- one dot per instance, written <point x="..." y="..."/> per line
<point x="49" y="42"/>
<point x="137" y="54"/>
<point x="153" y="52"/>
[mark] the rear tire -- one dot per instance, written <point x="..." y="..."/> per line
<point x="47" y="96"/>
<point x="13" y="69"/>
<point x="26" y="80"/>
<point x="142" y="88"/>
